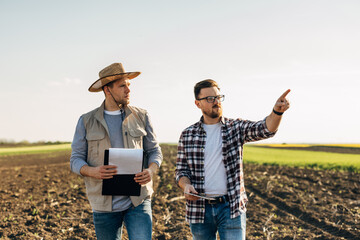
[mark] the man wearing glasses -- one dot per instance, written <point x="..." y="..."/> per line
<point x="209" y="166"/>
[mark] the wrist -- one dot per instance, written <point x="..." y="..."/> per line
<point x="153" y="167"/>
<point x="183" y="182"/>
<point x="151" y="172"/>
<point x="277" y="113"/>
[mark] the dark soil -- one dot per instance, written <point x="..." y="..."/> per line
<point x="41" y="199"/>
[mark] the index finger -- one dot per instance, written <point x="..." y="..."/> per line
<point x="285" y="93"/>
<point x="109" y="166"/>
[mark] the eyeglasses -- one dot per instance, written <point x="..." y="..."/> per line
<point x="211" y="99"/>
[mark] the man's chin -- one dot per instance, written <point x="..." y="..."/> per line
<point x="214" y="115"/>
<point x="125" y="103"/>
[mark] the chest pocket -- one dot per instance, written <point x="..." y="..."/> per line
<point x="135" y="137"/>
<point x="95" y="141"/>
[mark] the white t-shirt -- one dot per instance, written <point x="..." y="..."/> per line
<point x="215" y="173"/>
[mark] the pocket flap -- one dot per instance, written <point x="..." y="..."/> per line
<point x="91" y="136"/>
<point x="137" y="132"/>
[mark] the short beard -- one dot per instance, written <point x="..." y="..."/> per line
<point x="124" y="103"/>
<point x="213" y="114"/>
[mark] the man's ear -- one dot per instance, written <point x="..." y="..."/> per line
<point x="197" y="103"/>
<point x="106" y="90"/>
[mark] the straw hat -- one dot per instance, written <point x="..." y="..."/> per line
<point x="111" y="73"/>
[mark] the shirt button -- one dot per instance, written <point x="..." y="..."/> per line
<point x="202" y="178"/>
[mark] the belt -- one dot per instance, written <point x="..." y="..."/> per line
<point x="221" y="199"/>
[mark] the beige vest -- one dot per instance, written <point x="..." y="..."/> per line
<point x="97" y="136"/>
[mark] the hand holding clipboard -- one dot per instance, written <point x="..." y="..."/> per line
<point x="128" y="162"/>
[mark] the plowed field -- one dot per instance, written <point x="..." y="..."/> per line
<point x="41" y="199"/>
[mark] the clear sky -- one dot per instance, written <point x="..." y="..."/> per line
<point x="51" y="52"/>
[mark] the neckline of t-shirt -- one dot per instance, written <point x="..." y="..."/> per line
<point x="113" y="113"/>
<point x="212" y="125"/>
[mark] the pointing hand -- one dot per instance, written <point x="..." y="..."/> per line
<point x="282" y="104"/>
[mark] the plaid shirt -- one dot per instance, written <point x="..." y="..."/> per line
<point x="190" y="161"/>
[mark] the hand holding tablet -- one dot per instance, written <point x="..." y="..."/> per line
<point x="200" y="196"/>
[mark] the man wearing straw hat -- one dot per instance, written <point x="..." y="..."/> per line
<point x="115" y="124"/>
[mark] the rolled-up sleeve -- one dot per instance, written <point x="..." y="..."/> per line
<point x="79" y="148"/>
<point x="151" y="146"/>
<point x="182" y="167"/>
<point x="253" y="131"/>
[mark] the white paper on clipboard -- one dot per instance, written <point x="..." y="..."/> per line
<point x="128" y="161"/>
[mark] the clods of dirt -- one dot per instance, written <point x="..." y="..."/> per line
<point x="40" y="198"/>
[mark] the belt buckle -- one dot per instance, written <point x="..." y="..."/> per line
<point x="212" y="201"/>
<point x="216" y="200"/>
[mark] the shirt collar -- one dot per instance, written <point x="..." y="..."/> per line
<point x="201" y="122"/>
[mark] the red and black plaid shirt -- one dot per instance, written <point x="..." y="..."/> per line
<point x="190" y="161"/>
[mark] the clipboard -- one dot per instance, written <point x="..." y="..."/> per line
<point x="121" y="184"/>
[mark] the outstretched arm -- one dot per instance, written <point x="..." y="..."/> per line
<point x="281" y="105"/>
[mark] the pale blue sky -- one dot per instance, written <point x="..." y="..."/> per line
<point x="51" y="51"/>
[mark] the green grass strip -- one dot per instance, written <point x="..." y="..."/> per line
<point x="301" y="158"/>
<point x="34" y="149"/>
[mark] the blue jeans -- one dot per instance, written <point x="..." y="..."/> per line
<point x="138" y="222"/>
<point x="217" y="219"/>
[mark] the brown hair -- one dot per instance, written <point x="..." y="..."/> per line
<point x="110" y="85"/>
<point x="204" y="84"/>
